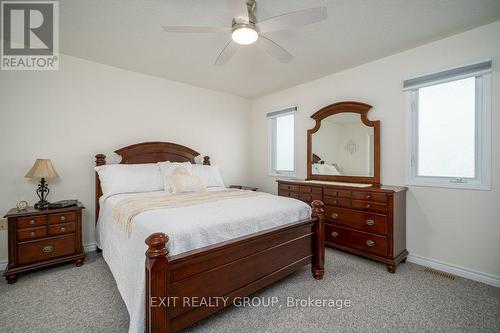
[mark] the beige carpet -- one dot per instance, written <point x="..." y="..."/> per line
<point x="85" y="299"/>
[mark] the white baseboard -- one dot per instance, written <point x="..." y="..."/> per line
<point x="88" y="248"/>
<point x="467" y="273"/>
<point x="3" y="265"/>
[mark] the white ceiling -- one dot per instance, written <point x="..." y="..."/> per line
<point x="128" y="34"/>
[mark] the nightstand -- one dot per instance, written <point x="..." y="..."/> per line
<point x="40" y="238"/>
<point x="241" y="187"/>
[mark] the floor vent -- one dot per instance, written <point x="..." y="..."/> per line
<point x="439" y="273"/>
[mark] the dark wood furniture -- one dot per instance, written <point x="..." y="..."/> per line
<point x="235" y="268"/>
<point x="345" y="107"/>
<point x="367" y="221"/>
<point x="242" y="187"/>
<point x="40" y="238"/>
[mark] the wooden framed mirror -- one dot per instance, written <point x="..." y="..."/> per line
<point x="344" y="145"/>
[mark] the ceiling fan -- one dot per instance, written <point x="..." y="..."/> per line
<point x="246" y="29"/>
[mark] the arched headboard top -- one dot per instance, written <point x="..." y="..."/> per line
<point x="153" y="152"/>
<point x="147" y="152"/>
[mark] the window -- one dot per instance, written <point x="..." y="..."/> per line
<point x="450" y="139"/>
<point x="282" y="142"/>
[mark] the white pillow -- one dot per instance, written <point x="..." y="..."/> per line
<point x="209" y="174"/>
<point x="129" y="178"/>
<point x="181" y="183"/>
<point x="166" y="169"/>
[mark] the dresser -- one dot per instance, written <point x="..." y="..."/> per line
<point x="40" y="238"/>
<point x="366" y="221"/>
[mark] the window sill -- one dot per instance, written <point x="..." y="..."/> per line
<point x="456" y="186"/>
<point x="278" y="175"/>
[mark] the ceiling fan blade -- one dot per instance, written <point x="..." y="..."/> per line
<point x="293" y="20"/>
<point x="189" y="29"/>
<point x="239" y="9"/>
<point x="227" y="53"/>
<point x="274" y="50"/>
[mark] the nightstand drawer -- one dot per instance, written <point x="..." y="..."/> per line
<point x="34" y="221"/>
<point x="63" y="217"/>
<point x="63" y="228"/>
<point x="34" y="251"/>
<point x="29" y="233"/>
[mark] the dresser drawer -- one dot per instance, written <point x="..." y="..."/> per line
<point x="369" y="196"/>
<point x="30" y="233"/>
<point x="28" y="222"/>
<point x="61" y="218"/>
<point x="338" y="202"/>
<point x="289" y="187"/>
<point x="309" y="197"/>
<point x="369" y="206"/>
<point x="337" y="193"/>
<point x="290" y="194"/>
<point x="356" y="239"/>
<point x="63" y="228"/>
<point x="310" y="189"/>
<point x="358" y="220"/>
<point x="34" y="251"/>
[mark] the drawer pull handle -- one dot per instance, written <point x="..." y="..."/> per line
<point x="63" y="218"/>
<point x="32" y="233"/>
<point x="335" y="193"/>
<point x="335" y="216"/>
<point x="310" y="197"/>
<point x="32" y="222"/>
<point x="368" y="196"/>
<point x="370" y="243"/>
<point x="368" y="206"/>
<point x="63" y="229"/>
<point x="335" y="234"/>
<point x="289" y="187"/>
<point x="335" y="202"/>
<point x="370" y="222"/>
<point x="47" y="249"/>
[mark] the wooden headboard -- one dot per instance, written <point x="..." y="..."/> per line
<point x="146" y="152"/>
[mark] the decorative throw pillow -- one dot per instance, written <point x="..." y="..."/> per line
<point x="185" y="183"/>
<point x="166" y="169"/>
<point x="209" y="174"/>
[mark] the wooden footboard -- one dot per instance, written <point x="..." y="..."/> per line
<point x="182" y="289"/>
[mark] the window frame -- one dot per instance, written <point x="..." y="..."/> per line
<point x="271" y="125"/>
<point x="482" y="179"/>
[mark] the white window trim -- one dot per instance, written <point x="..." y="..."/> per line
<point x="271" y="171"/>
<point x="482" y="181"/>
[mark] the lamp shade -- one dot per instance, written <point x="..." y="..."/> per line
<point x="42" y="168"/>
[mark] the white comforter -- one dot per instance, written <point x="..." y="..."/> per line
<point x="188" y="228"/>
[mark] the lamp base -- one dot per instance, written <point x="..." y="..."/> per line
<point x="42" y="191"/>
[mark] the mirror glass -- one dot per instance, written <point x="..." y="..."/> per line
<point x="343" y="146"/>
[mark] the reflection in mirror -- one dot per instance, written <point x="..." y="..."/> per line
<point x="343" y="146"/>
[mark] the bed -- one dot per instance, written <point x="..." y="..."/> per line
<point x="211" y="255"/>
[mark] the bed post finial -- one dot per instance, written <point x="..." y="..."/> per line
<point x="318" y="262"/>
<point x="100" y="159"/>
<point x="157" y="282"/>
<point x="206" y="160"/>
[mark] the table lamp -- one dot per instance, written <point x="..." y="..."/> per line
<point x="42" y="169"/>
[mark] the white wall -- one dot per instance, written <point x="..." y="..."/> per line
<point x="458" y="227"/>
<point x="87" y="108"/>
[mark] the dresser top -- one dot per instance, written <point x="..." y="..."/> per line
<point x="356" y="186"/>
<point x="32" y="211"/>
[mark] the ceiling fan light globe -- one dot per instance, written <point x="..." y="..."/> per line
<point x="245" y="36"/>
